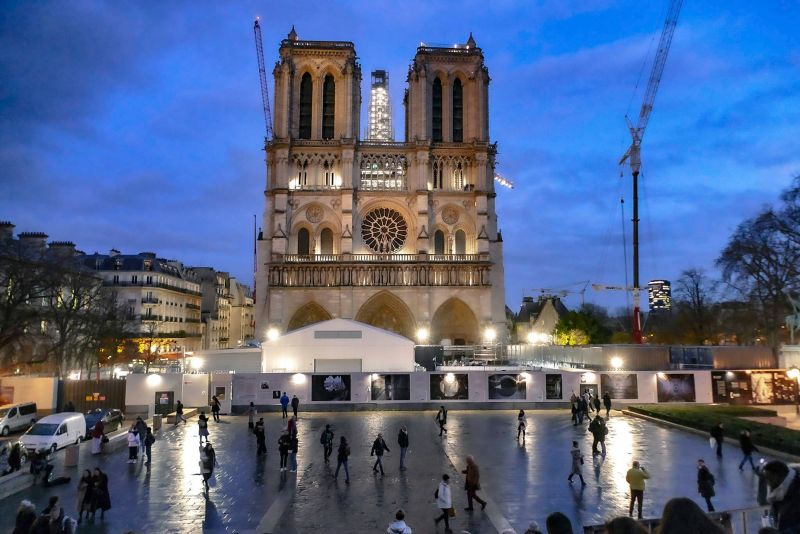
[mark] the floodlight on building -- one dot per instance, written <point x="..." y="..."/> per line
<point x="422" y="335"/>
<point x="661" y="376"/>
<point x="75" y="375"/>
<point x="588" y="377"/>
<point x="525" y="376"/>
<point x="616" y="363"/>
<point x="793" y="373"/>
<point x="273" y="334"/>
<point x="153" y="380"/>
<point x="298" y="379"/>
<point x="489" y="334"/>
<point x="197" y="363"/>
<point x="449" y="378"/>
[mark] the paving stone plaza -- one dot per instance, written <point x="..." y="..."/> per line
<point x="521" y="482"/>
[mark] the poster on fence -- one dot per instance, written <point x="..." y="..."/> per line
<point x="330" y="388"/>
<point x="753" y="387"/>
<point x="553" y="387"/>
<point x="620" y="385"/>
<point x="507" y="387"/>
<point x="450" y="386"/>
<point x="675" y="387"/>
<point x="390" y="387"/>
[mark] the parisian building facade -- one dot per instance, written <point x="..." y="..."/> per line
<point x="399" y="235"/>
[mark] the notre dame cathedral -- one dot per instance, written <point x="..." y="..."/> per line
<point x="399" y="235"/>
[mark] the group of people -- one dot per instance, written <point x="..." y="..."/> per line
<point x="140" y="437"/>
<point x="583" y="405"/>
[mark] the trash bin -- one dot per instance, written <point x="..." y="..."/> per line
<point x="71" y="456"/>
<point x="156" y="422"/>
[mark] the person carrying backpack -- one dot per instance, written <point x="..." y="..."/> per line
<point x="326" y="439"/>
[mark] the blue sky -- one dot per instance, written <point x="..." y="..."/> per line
<point x="138" y="125"/>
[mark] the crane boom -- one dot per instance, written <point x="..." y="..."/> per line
<point x="262" y="74"/>
<point x="633" y="154"/>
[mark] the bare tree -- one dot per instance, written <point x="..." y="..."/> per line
<point x="695" y="306"/>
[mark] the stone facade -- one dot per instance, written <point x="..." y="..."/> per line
<point x="400" y="235"/>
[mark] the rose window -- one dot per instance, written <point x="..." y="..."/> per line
<point x="384" y="230"/>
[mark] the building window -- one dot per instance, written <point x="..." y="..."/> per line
<point x="461" y="242"/>
<point x="302" y="241"/>
<point x="458" y="111"/>
<point x="436" y="111"/>
<point x="328" y="168"/>
<point x="116" y="279"/>
<point x="437" y="175"/>
<point x="305" y="107"/>
<point x="458" y="177"/>
<point x="302" y="175"/>
<point x="438" y="242"/>
<point x="328" y="106"/>
<point x="326" y="241"/>
<point x="149" y="279"/>
<point x="134" y="279"/>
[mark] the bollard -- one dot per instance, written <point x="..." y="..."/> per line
<point x="71" y="456"/>
<point x="156" y="422"/>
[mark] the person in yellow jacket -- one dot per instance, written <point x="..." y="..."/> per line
<point x="635" y="478"/>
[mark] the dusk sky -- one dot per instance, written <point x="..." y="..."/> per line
<point x="138" y="125"/>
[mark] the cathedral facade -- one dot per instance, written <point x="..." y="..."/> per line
<point x="399" y="235"/>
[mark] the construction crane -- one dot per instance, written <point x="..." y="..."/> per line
<point x="558" y="292"/>
<point x="262" y="74"/>
<point x="633" y="154"/>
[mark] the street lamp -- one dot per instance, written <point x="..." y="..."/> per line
<point x="794" y="374"/>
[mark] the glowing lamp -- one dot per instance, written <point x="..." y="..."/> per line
<point x="298" y="379"/>
<point x="489" y="334"/>
<point x="273" y="334"/>
<point x="616" y="362"/>
<point x="422" y="335"/>
<point x="153" y="380"/>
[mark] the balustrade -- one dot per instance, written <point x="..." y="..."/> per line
<point x="379" y="275"/>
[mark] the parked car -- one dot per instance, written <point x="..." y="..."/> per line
<point x="111" y="417"/>
<point x="17" y="417"/>
<point x="54" y="432"/>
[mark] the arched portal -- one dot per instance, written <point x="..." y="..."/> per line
<point x="307" y="314"/>
<point x="386" y="311"/>
<point x="326" y="241"/>
<point x="455" y="321"/>
<point x="303" y="240"/>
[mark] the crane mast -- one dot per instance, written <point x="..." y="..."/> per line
<point x="633" y="154"/>
<point x="262" y="74"/>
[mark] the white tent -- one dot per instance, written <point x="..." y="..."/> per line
<point x="338" y="345"/>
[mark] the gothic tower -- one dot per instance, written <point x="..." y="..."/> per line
<point x="400" y="235"/>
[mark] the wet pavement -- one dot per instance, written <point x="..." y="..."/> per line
<point x="521" y="482"/>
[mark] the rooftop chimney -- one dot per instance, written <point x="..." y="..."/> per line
<point x="33" y="240"/>
<point x="6" y="231"/>
<point x="113" y="252"/>
<point x="63" y="248"/>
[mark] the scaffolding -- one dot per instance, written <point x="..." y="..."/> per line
<point x="379" y="127"/>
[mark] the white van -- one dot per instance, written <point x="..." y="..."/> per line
<point x="16" y="417"/>
<point x="54" y="432"/>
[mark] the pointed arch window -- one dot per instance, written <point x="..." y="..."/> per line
<point x="303" y="242"/>
<point x="305" y="106"/>
<point x="438" y="242"/>
<point x="458" y="111"/>
<point x="458" y="177"/>
<point x="461" y="242"/>
<point x="437" y="175"/>
<point x="326" y="241"/>
<point x="436" y="110"/>
<point x="328" y="106"/>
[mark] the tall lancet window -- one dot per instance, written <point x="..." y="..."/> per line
<point x="305" y="107"/>
<point x="328" y="106"/>
<point x="458" y="111"/>
<point x="436" y="111"/>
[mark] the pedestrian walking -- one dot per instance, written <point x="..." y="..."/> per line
<point x="521" y="424"/>
<point x="179" y="413"/>
<point x="284" y="444"/>
<point x="141" y="431"/>
<point x="294" y="446"/>
<point x="441" y="418"/>
<point x="746" y="443"/>
<point x="577" y="462"/>
<point x="596" y="404"/>
<point x="291" y="426"/>
<point x="208" y="461"/>
<point x="98" y="432"/>
<point x="202" y="426"/>
<point x="14" y="459"/>
<point x="261" y="437"/>
<point x="444" y="501"/>
<point x="402" y="442"/>
<point x="607" y="404"/>
<point x="399" y="525"/>
<point x="149" y="439"/>
<point x="83" y="502"/>
<point x="635" y="478"/>
<point x="599" y="431"/>
<point x="26" y="517"/>
<point x="378" y="447"/>
<point x="718" y="435"/>
<point x="574" y="405"/>
<point x="295" y="404"/>
<point x="251" y="415"/>
<point x="101" y="499"/>
<point x="472" y="483"/>
<point x="215" y="407"/>
<point x="341" y="459"/>
<point x="285" y="405"/>
<point x="705" y="484"/>
<point x="582" y="409"/>
<point x="587" y="397"/>
<point x="326" y="439"/>
<point x="133" y="445"/>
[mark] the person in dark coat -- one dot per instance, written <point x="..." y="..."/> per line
<point x="378" y="446"/>
<point x="294" y="447"/>
<point x="295" y="404"/>
<point x="402" y="442"/>
<point x="261" y="437"/>
<point x="26" y="517"/>
<point x="472" y="483"/>
<point x="83" y="502"/>
<point x="149" y="439"/>
<point x="783" y="495"/>
<point x="101" y="500"/>
<point x="215" y="407"/>
<point x="599" y="431"/>
<point x="179" y="413"/>
<point x="596" y="402"/>
<point x="50" y="520"/>
<point x="341" y="459"/>
<point x="441" y="418"/>
<point x="14" y="458"/>
<point x="574" y="406"/>
<point x="326" y="439"/>
<point x="202" y="426"/>
<point x="718" y="433"/>
<point x="746" y="443"/>
<point x="607" y="404"/>
<point x="208" y="459"/>
<point x="284" y="444"/>
<point x="141" y="431"/>
<point x="705" y="484"/>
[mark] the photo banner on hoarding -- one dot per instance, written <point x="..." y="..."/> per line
<point x="553" y="389"/>
<point x="391" y="387"/>
<point x="675" y="387"/>
<point x="507" y="387"/>
<point x="620" y="385"/>
<point x="753" y="387"/>
<point x="330" y="388"/>
<point x="450" y="386"/>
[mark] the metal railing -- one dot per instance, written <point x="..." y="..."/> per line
<point x="152" y="284"/>
<point x="380" y="258"/>
<point x="150" y="300"/>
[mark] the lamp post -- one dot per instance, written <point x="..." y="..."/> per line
<point x="794" y="374"/>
